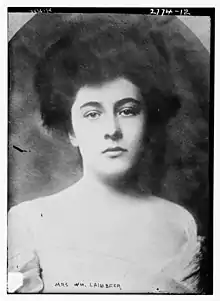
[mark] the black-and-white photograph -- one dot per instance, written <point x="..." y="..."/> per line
<point x="110" y="187"/>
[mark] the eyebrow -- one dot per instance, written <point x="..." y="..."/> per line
<point x="118" y="103"/>
<point x="91" y="104"/>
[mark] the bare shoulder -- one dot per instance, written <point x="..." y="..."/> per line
<point x="50" y="206"/>
<point x="171" y="225"/>
<point x="20" y="209"/>
<point x="39" y="204"/>
<point x="172" y="212"/>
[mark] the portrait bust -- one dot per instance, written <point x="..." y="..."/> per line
<point x="124" y="93"/>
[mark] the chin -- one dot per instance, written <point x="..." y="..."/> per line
<point x="114" y="172"/>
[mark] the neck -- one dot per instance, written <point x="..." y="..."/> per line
<point x="113" y="187"/>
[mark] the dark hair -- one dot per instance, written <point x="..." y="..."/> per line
<point x="96" y="48"/>
<point x="99" y="49"/>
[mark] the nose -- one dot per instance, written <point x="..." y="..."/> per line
<point x="112" y="129"/>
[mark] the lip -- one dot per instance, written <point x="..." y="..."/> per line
<point x="114" y="150"/>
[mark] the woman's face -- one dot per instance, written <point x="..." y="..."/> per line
<point x="108" y="122"/>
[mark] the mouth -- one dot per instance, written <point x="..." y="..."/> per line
<point x="114" y="151"/>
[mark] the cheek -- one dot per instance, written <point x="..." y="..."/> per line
<point x="134" y="130"/>
<point x="88" y="137"/>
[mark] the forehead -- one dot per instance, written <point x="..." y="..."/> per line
<point x="108" y="92"/>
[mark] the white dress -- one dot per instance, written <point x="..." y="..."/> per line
<point x="59" y="249"/>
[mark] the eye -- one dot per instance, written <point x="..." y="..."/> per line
<point x="92" y="115"/>
<point x="126" y="112"/>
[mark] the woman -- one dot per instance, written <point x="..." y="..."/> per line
<point x="111" y="87"/>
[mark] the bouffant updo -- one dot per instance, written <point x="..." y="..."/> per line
<point x="169" y="73"/>
<point x="101" y="48"/>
